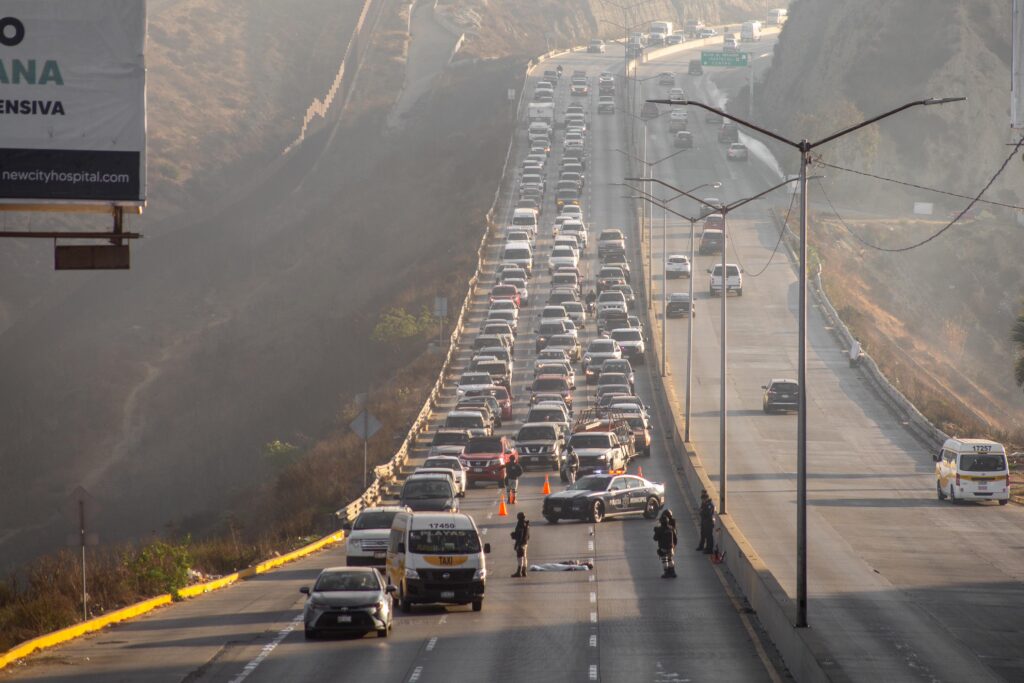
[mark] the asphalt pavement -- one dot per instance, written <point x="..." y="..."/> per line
<point x="619" y="622"/>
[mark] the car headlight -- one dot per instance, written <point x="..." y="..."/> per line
<point x="314" y="602"/>
<point x="411" y="573"/>
<point x="480" y="574"/>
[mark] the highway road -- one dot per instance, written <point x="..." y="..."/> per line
<point x="902" y="586"/>
<point x="620" y="622"/>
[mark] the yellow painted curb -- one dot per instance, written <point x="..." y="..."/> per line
<point x="65" y="634"/>
<point x="55" y="638"/>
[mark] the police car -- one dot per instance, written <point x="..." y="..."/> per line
<point x="595" y="497"/>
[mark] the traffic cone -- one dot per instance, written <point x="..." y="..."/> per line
<point x="502" y="512"/>
<point x="641" y="470"/>
<point x="547" y="486"/>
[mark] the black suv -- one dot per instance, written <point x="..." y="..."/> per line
<point x="780" y="394"/>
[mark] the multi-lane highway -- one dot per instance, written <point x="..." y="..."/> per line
<point x="619" y="622"/>
<point x="902" y="586"/>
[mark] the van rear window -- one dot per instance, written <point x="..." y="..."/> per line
<point x="444" y="542"/>
<point x="982" y="462"/>
<point x="517" y="254"/>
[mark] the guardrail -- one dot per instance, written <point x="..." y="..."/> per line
<point x="927" y="433"/>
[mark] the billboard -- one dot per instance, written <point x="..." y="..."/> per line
<point x="73" y="101"/>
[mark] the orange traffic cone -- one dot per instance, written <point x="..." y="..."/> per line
<point x="502" y="512"/>
<point x="641" y="470"/>
<point x="547" y="486"/>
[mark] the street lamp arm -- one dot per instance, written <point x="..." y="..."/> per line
<point x="737" y="119"/>
<point x="735" y="205"/>
<point x="683" y="193"/>
<point x="663" y="207"/>
<point x="637" y="159"/>
<point x="655" y="163"/>
<point x="875" y="119"/>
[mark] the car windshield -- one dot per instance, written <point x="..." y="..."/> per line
<point x="788" y="387"/>
<point x="590" y="484"/>
<point x="983" y="462"/>
<point x="465" y="421"/>
<point x="636" y="422"/>
<point x="444" y="542"/>
<point x="484" y="445"/>
<point x="590" y="441"/>
<point x="610" y="235"/>
<point x="440" y="462"/>
<point x="550" y="384"/>
<point x="475" y="378"/>
<point x="450" y="439"/>
<point x="544" y="416"/>
<point x="602" y="346"/>
<point x="536" y="433"/>
<point x="626" y="335"/>
<point x="346" y="581"/>
<point x="376" y="519"/>
<point x="615" y="365"/>
<point x="426" y="488"/>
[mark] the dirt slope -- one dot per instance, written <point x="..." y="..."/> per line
<point x="938" y="317"/>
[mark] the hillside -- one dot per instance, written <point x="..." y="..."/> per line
<point x="944" y="336"/>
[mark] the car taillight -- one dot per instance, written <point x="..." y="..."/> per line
<point x="1007" y="481"/>
<point x="957" y="478"/>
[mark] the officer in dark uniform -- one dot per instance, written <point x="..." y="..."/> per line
<point x="707" y="523"/>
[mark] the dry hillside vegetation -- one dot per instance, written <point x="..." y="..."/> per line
<point x="937" y="318"/>
<point x="497" y="28"/>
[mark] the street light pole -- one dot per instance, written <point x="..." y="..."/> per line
<point x="689" y="336"/>
<point x="804" y="147"/>
<point x="664" y="291"/>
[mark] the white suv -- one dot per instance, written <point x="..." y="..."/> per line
<point x="733" y="279"/>
<point x="366" y="543"/>
<point x="677" y="265"/>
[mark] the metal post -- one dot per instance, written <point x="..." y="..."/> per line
<point x="801" y="420"/>
<point x="750" y="111"/>
<point x="366" y="430"/>
<point x="650" y="237"/>
<point x="81" y="530"/>
<point x="664" y="291"/>
<point x="722" y="447"/>
<point x="689" y="336"/>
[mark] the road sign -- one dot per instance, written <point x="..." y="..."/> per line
<point x="440" y="307"/>
<point x="511" y="94"/>
<point x="81" y="508"/>
<point x="710" y="58"/>
<point x="365" y="425"/>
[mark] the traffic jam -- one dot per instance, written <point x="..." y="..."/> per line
<point x="550" y="387"/>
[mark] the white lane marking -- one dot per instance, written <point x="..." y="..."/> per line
<point x="591" y="577"/>
<point x="443" y="620"/>
<point x="593" y="617"/>
<point x="593" y="640"/>
<point x="484" y="532"/>
<point x="590" y="546"/>
<point x="593" y="672"/>
<point x="267" y="649"/>
<point x="431" y="643"/>
<point x="416" y="673"/>
<point x="489" y="515"/>
<point x="593" y="597"/>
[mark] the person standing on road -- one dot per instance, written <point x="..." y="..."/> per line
<point x="572" y="465"/>
<point x="591" y="299"/>
<point x="520" y="538"/>
<point x="513" y="470"/>
<point x="707" y="523"/>
<point x="666" y="538"/>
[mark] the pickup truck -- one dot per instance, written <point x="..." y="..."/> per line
<point x="600" y="452"/>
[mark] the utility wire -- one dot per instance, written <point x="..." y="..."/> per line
<point x="785" y="226"/>
<point x="821" y="162"/>
<point x="974" y="200"/>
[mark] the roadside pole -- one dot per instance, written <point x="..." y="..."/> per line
<point x="664" y="291"/>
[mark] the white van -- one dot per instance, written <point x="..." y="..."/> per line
<point x="972" y="469"/>
<point x="436" y="557"/>
<point x="519" y="253"/>
<point x="750" y="31"/>
<point x="777" y="17"/>
<point x="525" y="218"/>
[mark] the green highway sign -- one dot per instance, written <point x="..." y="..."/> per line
<point x="709" y="58"/>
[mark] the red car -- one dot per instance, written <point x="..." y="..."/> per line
<point x="505" y="292"/>
<point x="485" y="458"/>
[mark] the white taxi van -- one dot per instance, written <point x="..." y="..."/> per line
<point x="972" y="469"/>
<point x="436" y="557"/>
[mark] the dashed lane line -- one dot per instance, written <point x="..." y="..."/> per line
<point x="267" y="649"/>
